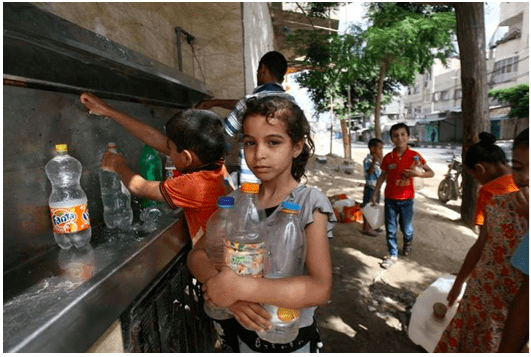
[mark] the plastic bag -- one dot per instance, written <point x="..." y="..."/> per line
<point x="352" y="214"/>
<point x="374" y="215"/>
<point x="338" y="208"/>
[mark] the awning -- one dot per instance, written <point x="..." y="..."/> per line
<point x="500" y="113"/>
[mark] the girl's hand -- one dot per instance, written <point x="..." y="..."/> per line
<point x="250" y="315"/>
<point x="111" y="161"/>
<point x="94" y="104"/>
<point x="223" y="288"/>
<point x="454" y="292"/>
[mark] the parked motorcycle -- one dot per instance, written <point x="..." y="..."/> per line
<point x="451" y="187"/>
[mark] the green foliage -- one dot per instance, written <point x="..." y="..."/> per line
<point x="408" y="37"/>
<point x="516" y="96"/>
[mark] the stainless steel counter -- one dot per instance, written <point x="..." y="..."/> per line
<point x="63" y="301"/>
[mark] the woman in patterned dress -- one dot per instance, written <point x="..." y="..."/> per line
<point x="493" y="282"/>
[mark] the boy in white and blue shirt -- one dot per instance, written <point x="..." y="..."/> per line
<point x="371" y="170"/>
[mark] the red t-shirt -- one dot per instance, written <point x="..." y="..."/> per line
<point x="197" y="194"/>
<point x="398" y="188"/>
<point x="499" y="186"/>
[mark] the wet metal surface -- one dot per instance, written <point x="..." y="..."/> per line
<point x="62" y="301"/>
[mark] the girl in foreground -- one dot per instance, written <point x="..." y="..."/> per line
<point x="277" y="146"/>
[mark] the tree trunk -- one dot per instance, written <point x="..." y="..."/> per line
<point x="331" y="123"/>
<point x="377" y="129"/>
<point x="346" y="139"/>
<point x="474" y="105"/>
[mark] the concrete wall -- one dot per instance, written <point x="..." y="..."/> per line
<point x="149" y="28"/>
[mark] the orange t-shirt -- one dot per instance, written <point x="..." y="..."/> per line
<point x="197" y="194"/>
<point x="498" y="186"/>
<point x="398" y="188"/>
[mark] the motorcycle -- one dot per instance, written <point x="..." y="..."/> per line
<point x="451" y="187"/>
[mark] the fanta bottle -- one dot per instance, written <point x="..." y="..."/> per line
<point x="68" y="201"/>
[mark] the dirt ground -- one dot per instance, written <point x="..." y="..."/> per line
<point x="369" y="309"/>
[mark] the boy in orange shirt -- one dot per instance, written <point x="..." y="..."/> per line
<point x="196" y="144"/>
<point x="398" y="170"/>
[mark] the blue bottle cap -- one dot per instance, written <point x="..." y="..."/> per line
<point x="226" y="202"/>
<point x="291" y="206"/>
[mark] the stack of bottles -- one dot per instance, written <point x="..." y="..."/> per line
<point x="68" y="201"/>
<point x="286" y="256"/>
<point x="216" y="228"/>
<point x="116" y="198"/>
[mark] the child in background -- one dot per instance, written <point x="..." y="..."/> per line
<point x="488" y="164"/>
<point x="398" y="170"/>
<point x="277" y="145"/>
<point x="195" y="143"/>
<point x="371" y="170"/>
<point x="492" y="281"/>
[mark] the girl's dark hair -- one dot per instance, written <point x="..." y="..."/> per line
<point x="485" y="151"/>
<point x="297" y="126"/>
<point x="522" y="139"/>
<point x="200" y="131"/>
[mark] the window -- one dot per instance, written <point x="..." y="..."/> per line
<point x="505" y="70"/>
<point x="445" y="95"/>
<point x="436" y="96"/>
<point x="458" y="94"/>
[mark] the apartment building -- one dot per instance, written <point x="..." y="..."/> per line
<point x="434" y="101"/>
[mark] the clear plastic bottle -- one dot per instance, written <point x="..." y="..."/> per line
<point x="245" y="243"/>
<point x="68" y="201"/>
<point x="215" y="247"/>
<point x="418" y="182"/>
<point x="286" y="256"/>
<point x="116" y="198"/>
<point x="150" y="169"/>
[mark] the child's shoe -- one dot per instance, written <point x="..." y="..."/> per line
<point x="388" y="262"/>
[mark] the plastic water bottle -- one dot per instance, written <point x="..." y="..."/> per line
<point x="150" y="169"/>
<point x="286" y="256"/>
<point x="430" y="314"/>
<point x="215" y="247"/>
<point x="245" y="243"/>
<point x="418" y="182"/>
<point x="116" y="198"/>
<point x="68" y="201"/>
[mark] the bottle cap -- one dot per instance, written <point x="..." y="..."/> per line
<point x="111" y="145"/>
<point x="61" y="147"/>
<point x="249" y="187"/>
<point x="225" y="202"/>
<point x="290" y="206"/>
<point x="439" y="310"/>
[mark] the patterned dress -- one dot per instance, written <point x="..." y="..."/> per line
<point x="479" y="322"/>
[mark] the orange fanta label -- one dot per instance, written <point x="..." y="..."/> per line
<point x="70" y="219"/>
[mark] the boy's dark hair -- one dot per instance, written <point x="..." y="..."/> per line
<point x="398" y="126"/>
<point x="200" y="131"/>
<point x="277" y="64"/>
<point x="374" y="142"/>
<point x="522" y="139"/>
<point x="485" y="151"/>
<point x="293" y="117"/>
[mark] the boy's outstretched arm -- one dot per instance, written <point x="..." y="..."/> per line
<point x="379" y="184"/>
<point x="139" y="129"/>
<point x="295" y="292"/>
<point x="135" y="183"/>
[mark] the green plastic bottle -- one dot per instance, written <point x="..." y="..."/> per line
<point x="150" y="169"/>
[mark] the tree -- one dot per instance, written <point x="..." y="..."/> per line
<point x="518" y="98"/>
<point x="336" y="66"/>
<point x="474" y="103"/>
<point x="404" y="40"/>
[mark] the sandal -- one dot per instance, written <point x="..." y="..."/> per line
<point x="407" y="248"/>
<point x="388" y="262"/>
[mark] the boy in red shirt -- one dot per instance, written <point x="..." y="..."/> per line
<point x="398" y="170"/>
<point x="195" y="143"/>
